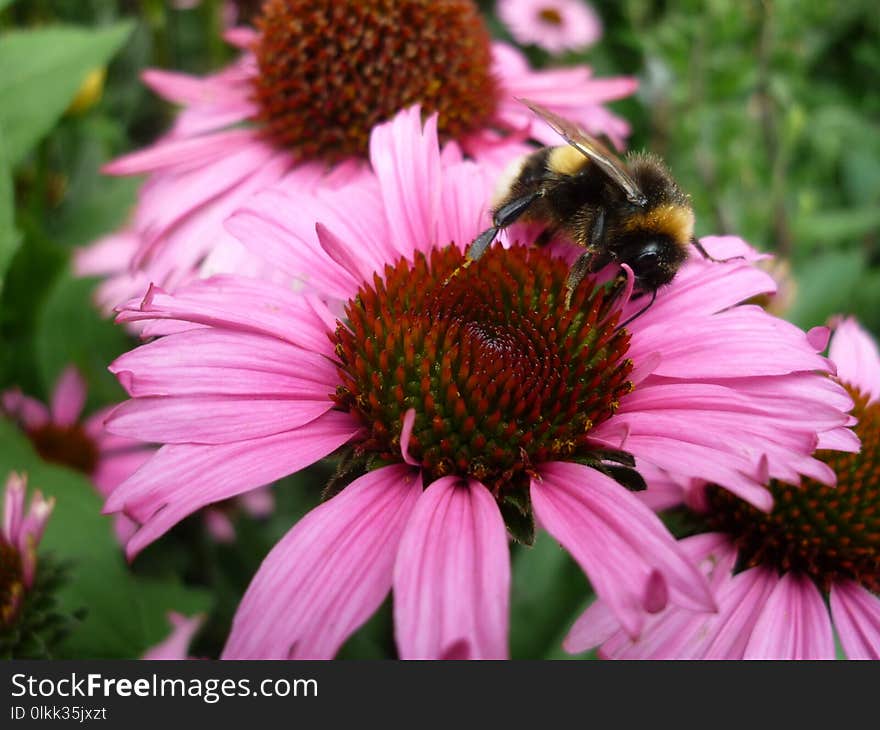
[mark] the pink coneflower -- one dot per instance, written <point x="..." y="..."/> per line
<point x="554" y="25"/>
<point x="59" y="436"/>
<point x="306" y="94"/>
<point x="466" y="407"/>
<point x="176" y="645"/>
<point x="784" y="581"/>
<point x="19" y="537"/>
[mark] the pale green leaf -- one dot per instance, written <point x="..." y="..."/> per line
<point x="40" y="72"/>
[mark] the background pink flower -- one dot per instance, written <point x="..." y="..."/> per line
<point x="772" y="575"/>
<point x="554" y="25"/>
<point x="252" y="381"/>
<point x="60" y="436"/>
<point x="20" y="534"/>
<point x="224" y="146"/>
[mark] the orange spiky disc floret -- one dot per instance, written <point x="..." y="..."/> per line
<point x="501" y="373"/>
<point x="828" y="533"/>
<point x="330" y="71"/>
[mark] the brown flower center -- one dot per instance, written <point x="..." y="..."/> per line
<point x="501" y="373"/>
<point x="330" y="71"/>
<point x="829" y="533"/>
<point x="11" y="583"/>
<point x="67" y="445"/>
<point x="550" y="16"/>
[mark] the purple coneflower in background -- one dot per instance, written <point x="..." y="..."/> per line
<point x="467" y="403"/>
<point x="60" y="437"/>
<point x="299" y="106"/>
<point x="20" y="535"/>
<point x="784" y="581"/>
<point x="554" y="25"/>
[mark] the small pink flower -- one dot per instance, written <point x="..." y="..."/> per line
<point x="554" y="25"/>
<point x="773" y="574"/>
<point x="59" y="436"/>
<point x="468" y="399"/>
<point x="176" y="645"/>
<point x="20" y="535"/>
<point x="228" y="145"/>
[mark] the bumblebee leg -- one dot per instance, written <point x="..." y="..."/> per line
<point x="705" y="254"/>
<point x="481" y="243"/>
<point x="503" y="217"/>
<point x="587" y="263"/>
<point x="597" y="232"/>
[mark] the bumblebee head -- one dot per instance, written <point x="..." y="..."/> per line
<point x="654" y="260"/>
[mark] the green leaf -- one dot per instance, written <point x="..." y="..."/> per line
<point x="9" y="238"/>
<point x="5" y="3"/>
<point x="71" y="330"/>
<point x="826" y="285"/>
<point x="548" y="592"/>
<point x="125" y="614"/>
<point x="41" y="71"/>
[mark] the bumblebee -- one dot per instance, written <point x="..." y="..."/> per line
<point x="630" y="212"/>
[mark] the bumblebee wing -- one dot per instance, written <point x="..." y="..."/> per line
<point x="593" y="149"/>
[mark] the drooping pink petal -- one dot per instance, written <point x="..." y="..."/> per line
<point x="452" y="575"/>
<point x="182" y="478"/>
<point x="794" y="623"/>
<point x="329" y="573"/>
<point x="621" y="545"/>
<point x="857" y="358"/>
<point x="855" y="612"/>
<point x="68" y="397"/>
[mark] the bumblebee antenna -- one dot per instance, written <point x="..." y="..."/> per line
<point x="640" y="312"/>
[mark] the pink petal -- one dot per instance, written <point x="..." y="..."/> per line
<point x="209" y="361"/>
<point x="176" y="646"/>
<point x="183" y="153"/>
<point x="213" y="419"/>
<point x="794" y="623"/>
<point x="68" y="397"/>
<point x="452" y="575"/>
<point x="239" y="304"/>
<point x="182" y="478"/>
<point x="108" y="255"/>
<point x="620" y="544"/>
<point x="13" y="507"/>
<point x="27" y="411"/>
<point x="327" y="575"/>
<point x="856" y="615"/>
<point x="857" y="358"/>
<point x="406" y="159"/>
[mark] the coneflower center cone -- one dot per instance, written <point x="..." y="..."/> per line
<point x="11" y="582"/>
<point x="67" y="445"/>
<point x="827" y="533"/>
<point x="502" y="375"/>
<point x="329" y="71"/>
<point x="550" y="16"/>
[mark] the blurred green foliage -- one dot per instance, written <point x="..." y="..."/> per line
<point x="767" y="112"/>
